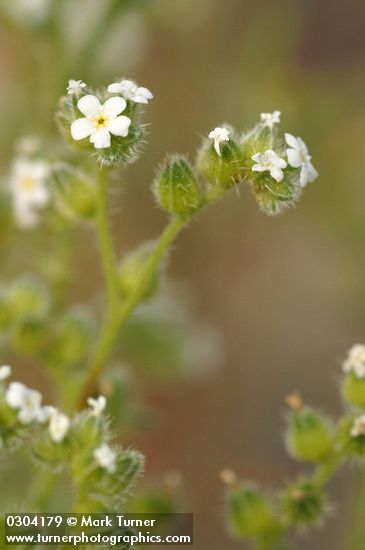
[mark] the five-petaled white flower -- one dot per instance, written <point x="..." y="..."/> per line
<point x="298" y="157"/>
<point x="100" y="120"/>
<point x="106" y="457"/>
<point x="59" y="425"/>
<point x="219" y="135"/>
<point x="75" y="87"/>
<point x="271" y="162"/>
<point x="28" y="186"/>
<point x="97" y="405"/>
<point x="5" y="372"/>
<point x="358" y="427"/>
<point x="270" y="119"/>
<point x="26" y="401"/>
<point x="130" y="90"/>
<point x="355" y="361"/>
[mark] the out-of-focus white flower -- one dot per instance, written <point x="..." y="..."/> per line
<point x="28" y="145"/>
<point x="270" y="119"/>
<point x="298" y="157"/>
<point x="59" y="425"/>
<point x="355" y="361"/>
<point x="358" y="427"/>
<point x="97" y="405"/>
<point x="106" y="457"/>
<point x="271" y="162"/>
<point x="75" y="87"/>
<point x="219" y="135"/>
<point x="130" y="90"/>
<point x="5" y="372"/>
<point x="27" y="401"/>
<point x="27" y="12"/>
<point x="28" y="186"/>
<point x="100" y="120"/>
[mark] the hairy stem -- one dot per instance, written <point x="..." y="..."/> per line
<point x="118" y="314"/>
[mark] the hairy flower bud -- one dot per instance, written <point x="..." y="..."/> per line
<point x="71" y="338"/>
<point x="353" y="389"/>
<point x="76" y="195"/>
<point x="309" y="435"/>
<point x="222" y="170"/>
<point x="250" y="513"/>
<point x="30" y="335"/>
<point x="131" y="272"/>
<point x="303" y="503"/>
<point x="176" y="188"/>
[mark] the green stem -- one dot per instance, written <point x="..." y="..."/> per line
<point x="117" y="315"/>
<point x="105" y="241"/>
<point x="357" y="528"/>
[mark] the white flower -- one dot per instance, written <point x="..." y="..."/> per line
<point x="5" y="372"/>
<point x="75" y="87"/>
<point x="97" y="405"/>
<point x="270" y="119"/>
<point x="26" y="400"/>
<point x="130" y="90"/>
<point x="28" y="186"/>
<point x="358" y="427"/>
<point x="355" y="361"/>
<point x="271" y="162"/>
<point x="59" y="425"/>
<point x="298" y="156"/>
<point x="100" y="120"/>
<point x="106" y="457"/>
<point x="218" y="135"/>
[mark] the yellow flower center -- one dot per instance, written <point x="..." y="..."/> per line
<point x="27" y="184"/>
<point x="101" y="121"/>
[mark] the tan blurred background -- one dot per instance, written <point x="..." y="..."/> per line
<point x="287" y="294"/>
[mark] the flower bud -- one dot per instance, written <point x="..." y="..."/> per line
<point x="27" y="296"/>
<point x="353" y="390"/>
<point x="350" y="440"/>
<point x="71" y="338"/>
<point x="176" y="188"/>
<point x="250" y="513"/>
<point x="309" y="435"/>
<point x="303" y="503"/>
<point x="273" y="197"/>
<point x="30" y="336"/>
<point x="224" y="170"/>
<point x="131" y="272"/>
<point x="76" y="195"/>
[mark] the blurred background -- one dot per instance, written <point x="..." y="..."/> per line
<point x="278" y="300"/>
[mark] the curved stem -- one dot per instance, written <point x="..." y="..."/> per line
<point x="117" y="315"/>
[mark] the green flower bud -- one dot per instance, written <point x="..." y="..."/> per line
<point x="250" y="513"/>
<point x="53" y="456"/>
<point x="222" y="171"/>
<point x="273" y="197"/>
<point x="309" y="435"/>
<point x="176" y="188"/>
<point x="131" y="272"/>
<point x="30" y="336"/>
<point x="76" y="195"/>
<point x="27" y="296"/>
<point x="71" y="338"/>
<point x="303" y="503"/>
<point x="353" y="390"/>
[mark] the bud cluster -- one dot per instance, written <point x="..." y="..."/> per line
<point x="313" y="438"/>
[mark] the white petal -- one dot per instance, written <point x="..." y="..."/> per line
<point x="115" y="88"/>
<point x="100" y="138"/>
<point x="81" y="128"/>
<point x="294" y="158"/>
<point x="145" y="92"/>
<point x="139" y="98"/>
<point x="114" y="106"/>
<point x="89" y="105"/>
<point x="277" y="174"/>
<point x="281" y="163"/>
<point x="292" y="141"/>
<point x="312" y="172"/>
<point x="119" y="126"/>
<point x="258" y="168"/>
<point x="15" y="395"/>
